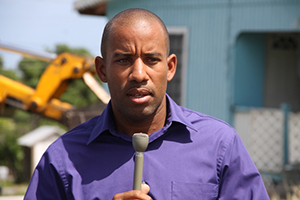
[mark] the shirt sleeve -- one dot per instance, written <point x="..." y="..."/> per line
<point x="240" y="178"/>
<point x="45" y="182"/>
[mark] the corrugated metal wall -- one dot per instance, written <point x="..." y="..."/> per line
<point x="213" y="27"/>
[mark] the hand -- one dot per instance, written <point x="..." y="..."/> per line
<point x="135" y="194"/>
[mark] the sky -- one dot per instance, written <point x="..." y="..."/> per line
<point x="41" y="24"/>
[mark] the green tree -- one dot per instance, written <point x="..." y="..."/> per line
<point x="8" y="73"/>
<point x="11" y="154"/>
<point x="61" y="48"/>
<point x="31" y="70"/>
<point x="77" y="94"/>
<point x="1" y="63"/>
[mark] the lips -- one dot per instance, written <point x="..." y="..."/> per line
<point x="139" y="95"/>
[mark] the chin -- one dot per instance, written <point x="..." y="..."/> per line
<point x="141" y="114"/>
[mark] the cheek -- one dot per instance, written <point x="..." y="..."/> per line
<point x="161" y="82"/>
<point x="115" y="76"/>
<point x="116" y="83"/>
<point x="163" y="77"/>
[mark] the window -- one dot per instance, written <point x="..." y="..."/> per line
<point x="267" y="69"/>
<point x="178" y="46"/>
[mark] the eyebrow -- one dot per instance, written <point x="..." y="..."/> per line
<point x="118" y="54"/>
<point x="153" y="54"/>
<point x="127" y="54"/>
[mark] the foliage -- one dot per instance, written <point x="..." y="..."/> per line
<point x="11" y="153"/>
<point x="8" y="73"/>
<point x="61" y="48"/>
<point x="31" y="71"/>
<point x="77" y="94"/>
<point x="1" y="63"/>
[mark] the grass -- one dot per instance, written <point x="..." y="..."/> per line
<point x="10" y="188"/>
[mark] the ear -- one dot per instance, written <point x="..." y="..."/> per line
<point x="100" y="68"/>
<point x="172" y="64"/>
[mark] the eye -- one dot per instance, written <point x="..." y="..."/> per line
<point x="152" y="60"/>
<point x="123" y="60"/>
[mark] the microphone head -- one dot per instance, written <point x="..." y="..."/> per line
<point x="140" y="142"/>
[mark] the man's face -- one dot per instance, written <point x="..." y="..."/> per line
<point x="137" y="69"/>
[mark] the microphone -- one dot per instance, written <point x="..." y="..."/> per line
<point x="140" y="143"/>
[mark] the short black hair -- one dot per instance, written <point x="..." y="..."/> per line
<point x="127" y="16"/>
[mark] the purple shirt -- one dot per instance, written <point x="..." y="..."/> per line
<point x="194" y="156"/>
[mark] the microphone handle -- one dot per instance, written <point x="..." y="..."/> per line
<point x="138" y="170"/>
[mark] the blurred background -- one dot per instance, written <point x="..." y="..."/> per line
<point x="238" y="60"/>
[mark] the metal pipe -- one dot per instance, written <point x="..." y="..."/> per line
<point x="44" y="56"/>
<point x="91" y="82"/>
<point x="140" y="144"/>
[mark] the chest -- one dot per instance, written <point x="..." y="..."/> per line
<point x="172" y="170"/>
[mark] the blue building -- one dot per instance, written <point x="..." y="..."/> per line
<point x="239" y="60"/>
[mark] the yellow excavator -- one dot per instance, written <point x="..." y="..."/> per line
<point x="44" y="99"/>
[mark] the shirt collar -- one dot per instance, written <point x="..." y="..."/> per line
<point x="176" y="114"/>
<point x="106" y="122"/>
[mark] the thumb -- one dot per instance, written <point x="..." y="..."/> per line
<point x="145" y="188"/>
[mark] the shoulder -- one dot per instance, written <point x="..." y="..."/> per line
<point x="198" y="122"/>
<point x="210" y="131"/>
<point x="203" y="122"/>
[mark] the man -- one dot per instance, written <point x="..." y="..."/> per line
<point x="190" y="155"/>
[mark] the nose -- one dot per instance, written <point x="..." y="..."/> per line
<point x="138" y="71"/>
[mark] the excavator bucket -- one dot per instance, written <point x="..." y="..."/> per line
<point x="74" y="117"/>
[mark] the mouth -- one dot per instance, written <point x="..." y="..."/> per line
<point x="139" y="95"/>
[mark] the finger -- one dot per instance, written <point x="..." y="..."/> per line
<point x="133" y="194"/>
<point x="145" y="188"/>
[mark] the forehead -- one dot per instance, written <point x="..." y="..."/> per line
<point x="138" y="33"/>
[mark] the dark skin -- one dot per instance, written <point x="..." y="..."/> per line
<point x="137" y="68"/>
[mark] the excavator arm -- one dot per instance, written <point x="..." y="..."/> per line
<point x="44" y="99"/>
